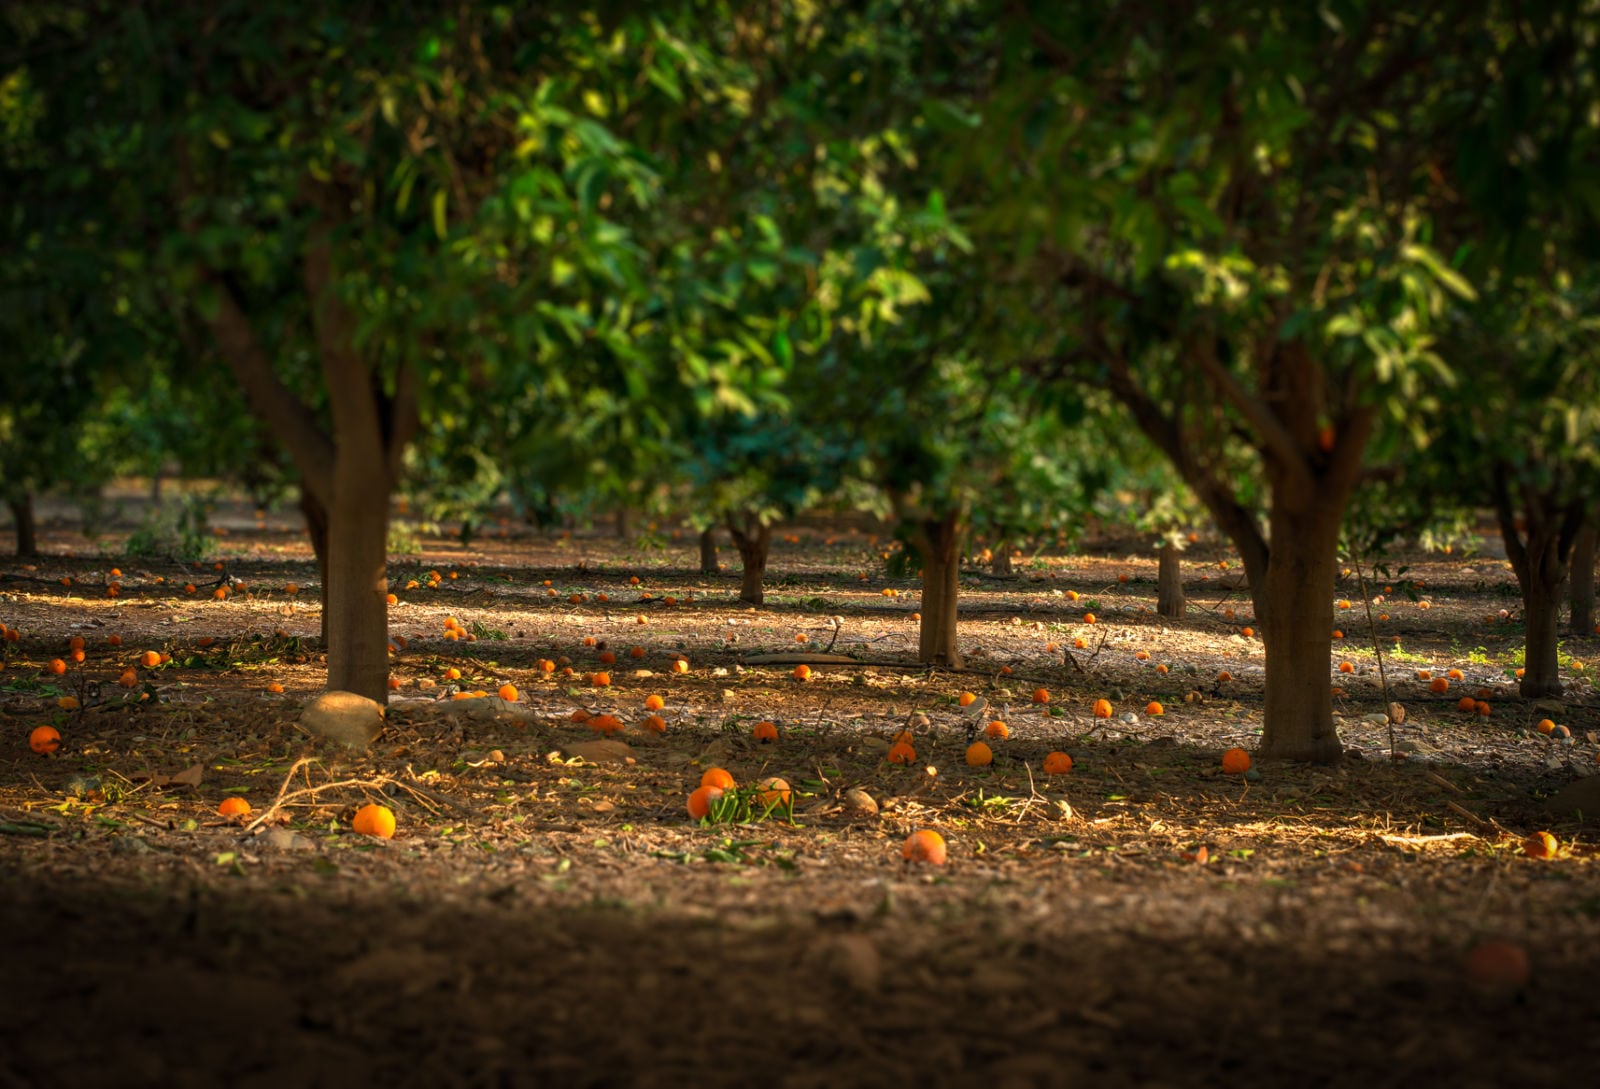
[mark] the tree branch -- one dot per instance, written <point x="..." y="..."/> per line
<point x="1276" y="441"/>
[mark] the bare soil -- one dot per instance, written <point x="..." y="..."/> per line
<point x="1143" y="920"/>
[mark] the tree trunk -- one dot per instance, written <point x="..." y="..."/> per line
<point x="1297" y="718"/>
<point x="621" y="523"/>
<point x="708" y="551"/>
<point x="938" y="543"/>
<point x="355" y="617"/>
<point x="1000" y="559"/>
<point x="1539" y="554"/>
<point x="27" y="527"/>
<point x="1581" y="593"/>
<point x="1170" y="601"/>
<point x="316" y="516"/>
<point x="752" y="543"/>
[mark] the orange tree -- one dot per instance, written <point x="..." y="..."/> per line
<point x="1235" y="207"/>
<point x="379" y="219"/>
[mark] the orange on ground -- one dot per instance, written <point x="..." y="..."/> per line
<point x="601" y="680"/>
<point x="979" y="755"/>
<point x="606" y="724"/>
<point x="1337" y="634"/>
<point x="1540" y="845"/>
<point x="150" y="659"/>
<point x="924" y="845"/>
<point x="802" y="672"/>
<point x="75" y="643"/>
<point x="607" y="658"/>
<point x="901" y="752"/>
<point x="997" y="731"/>
<point x="129" y="678"/>
<point x="1454" y="674"/>
<point x="1224" y="676"/>
<point x="1089" y="618"/>
<point x="1057" y="763"/>
<point x="717" y="777"/>
<point x="1247" y="632"/>
<point x="1439" y="684"/>
<point x="1346" y="667"/>
<point x="1041" y="695"/>
<point x="1496" y="962"/>
<point x="636" y="652"/>
<point x="681" y="665"/>
<point x="774" y="791"/>
<point x="654" y="703"/>
<point x="374" y="820"/>
<point x="1154" y="708"/>
<point x="233" y="807"/>
<point x="57" y="666"/>
<point x="508" y="692"/>
<point x="1545" y="726"/>
<point x="654" y="724"/>
<point x="1162" y="668"/>
<point x="1466" y="703"/>
<point x="220" y="593"/>
<point x="765" y="731"/>
<point x="390" y="599"/>
<point x="275" y="688"/>
<point x="44" y="739"/>
<point x="1235" y="761"/>
<point x="452" y="673"/>
<point x="1102" y="708"/>
<point x="701" y="799"/>
<point x="966" y="699"/>
<point x="1482" y="708"/>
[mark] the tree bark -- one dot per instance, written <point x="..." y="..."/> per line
<point x="1581" y="593"/>
<point x="752" y="541"/>
<point x="938" y="543"/>
<point x="708" y="551"/>
<point x="1301" y="570"/>
<point x="22" y="515"/>
<point x="1000" y="559"/>
<point x="621" y="523"/>
<point x="1170" y="601"/>
<point x="1539" y="554"/>
<point x="316" y="516"/>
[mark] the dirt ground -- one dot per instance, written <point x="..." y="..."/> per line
<point x="540" y="919"/>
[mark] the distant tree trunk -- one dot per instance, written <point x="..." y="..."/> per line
<point x="27" y="527"/>
<point x="1170" y="601"/>
<point x="621" y="523"/>
<point x="1539" y="552"/>
<point x="316" y="516"/>
<point x="753" y="542"/>
<point x="708" y="551"/>
<point x="1581" y="594"/>
<point x="1000" y="559"/>
<point x="938" y="543"/>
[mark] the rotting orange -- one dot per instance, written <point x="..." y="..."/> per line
<point x="901" y="752"/>
<point x="44" y="739"/>
<point x="1540" y="845"/>
<point x="925" y="845"/>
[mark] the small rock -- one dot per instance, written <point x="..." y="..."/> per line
<point x="1059" y="809"/>
<point x="598" y="752"/>
<point x="1407" y="745"/>
<point x="284" y="839"/>
<point x="860" y="803"/>
<point x="1377" y="718"/>
<point x="343" y="718"/>
<point x="1397" y="713"/>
